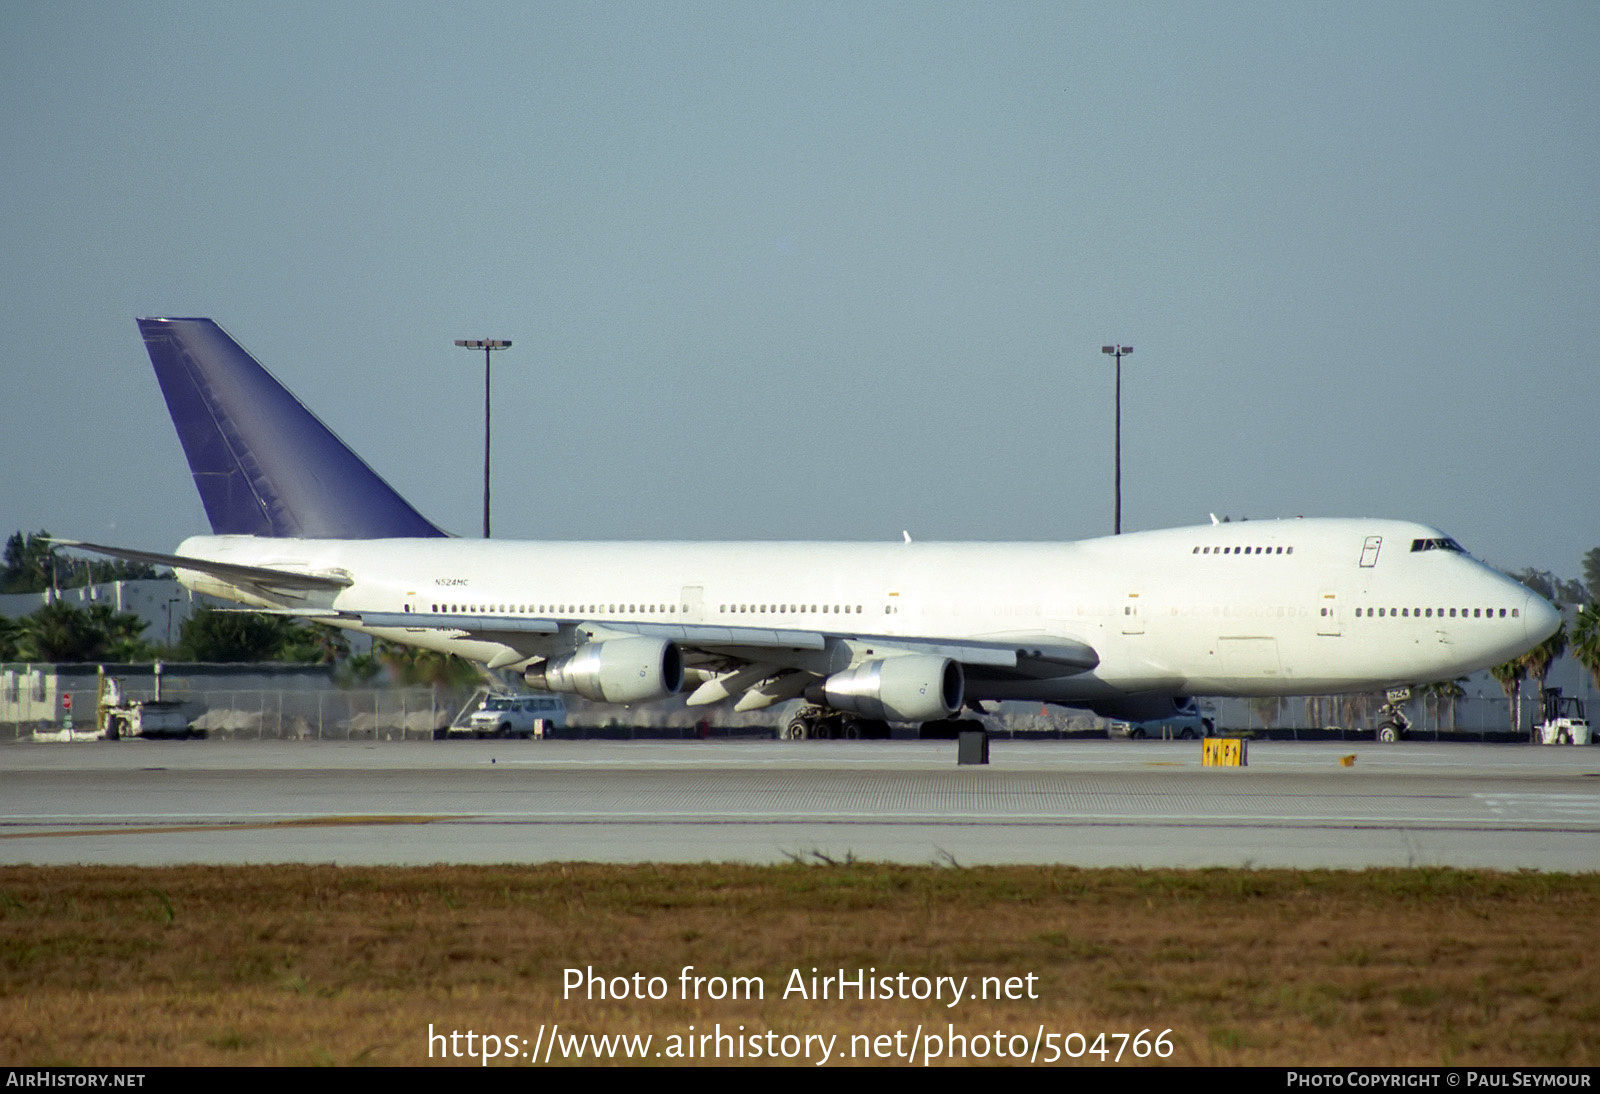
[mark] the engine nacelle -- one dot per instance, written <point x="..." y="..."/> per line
<point x="914" y="688"/>
<point x="618" y="670"/>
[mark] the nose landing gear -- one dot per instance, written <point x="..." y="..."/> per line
<point x="1395" y="725"/>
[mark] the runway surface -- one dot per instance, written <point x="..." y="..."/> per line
<point x="1082" y="803"/>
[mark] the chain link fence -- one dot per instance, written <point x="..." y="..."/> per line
<point x="259" y="715"/>
<point x="419" y="713"/>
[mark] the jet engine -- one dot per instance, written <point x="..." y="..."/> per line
<point x="914" y="688"/>
<point x="618" y="670"/>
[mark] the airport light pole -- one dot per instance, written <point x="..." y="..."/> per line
<point x="488" y="345"/>
<point x="1118" y="352"/>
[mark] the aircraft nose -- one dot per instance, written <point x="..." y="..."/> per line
<point x="1540" y="617"/>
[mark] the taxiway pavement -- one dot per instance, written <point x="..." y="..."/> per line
<point x="1102" y="803"/>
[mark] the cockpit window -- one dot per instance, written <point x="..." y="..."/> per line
<point x="1443" y="544"/>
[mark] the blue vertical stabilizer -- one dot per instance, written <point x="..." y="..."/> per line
<point x="264" y="464"/>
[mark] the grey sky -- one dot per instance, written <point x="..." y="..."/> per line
<point x="823" y="270"/>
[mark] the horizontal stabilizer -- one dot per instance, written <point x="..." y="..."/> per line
<point x="228" y="571"/>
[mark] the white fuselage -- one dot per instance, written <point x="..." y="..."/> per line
<point x="1292" y="607"/>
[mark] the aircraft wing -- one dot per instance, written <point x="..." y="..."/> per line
<point x="1064" y="653"/>
<point x="759" y="663"/>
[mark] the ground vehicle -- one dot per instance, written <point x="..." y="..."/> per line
<point x="517" y="716"/>
<point x="1564" y="721"/>
<point x="118" y="716"/>
<point x="1187" y="724"/>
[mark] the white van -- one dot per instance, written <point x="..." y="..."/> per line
<point x="517" y="716"/>
<point x="1186" y="724"/>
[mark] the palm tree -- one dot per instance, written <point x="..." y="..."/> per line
<point x="1437" y="695"/>
<point x="1591" y="572"/>
<point x="59" y="632"/>
<point x="123" y="633"/>
<point x="1266" y="710"/>
<point x="1585" y="639"/>
<point x="1539" y="659"/>
<point x="412" y="665"/>
<point x="1510" y="675"/>
<point x="210" y="635"/>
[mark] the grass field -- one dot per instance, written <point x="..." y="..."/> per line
<point x="308" y="965"/>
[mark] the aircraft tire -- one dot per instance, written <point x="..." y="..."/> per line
<point x="1389" y="733"/>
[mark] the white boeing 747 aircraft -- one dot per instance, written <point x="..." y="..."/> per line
<point x="1128" y="626"/>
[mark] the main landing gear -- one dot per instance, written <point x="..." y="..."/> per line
<point x="814" y="723"/>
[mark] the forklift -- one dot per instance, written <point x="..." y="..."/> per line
<point x="1563" y="721"/>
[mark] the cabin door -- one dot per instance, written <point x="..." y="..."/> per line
<point x="1132" y="621"/>
<point x="692" y="604"/>
<point x="1328" y="615"/>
